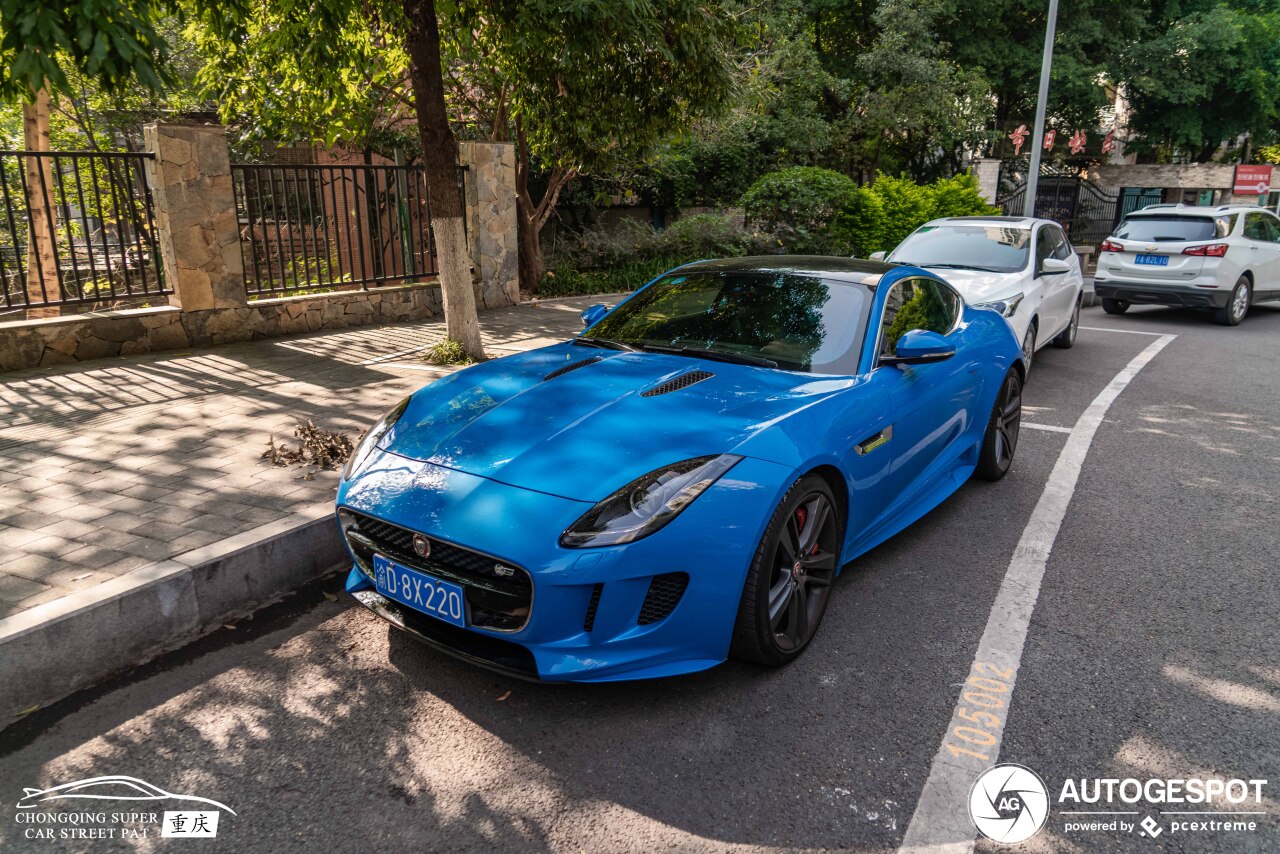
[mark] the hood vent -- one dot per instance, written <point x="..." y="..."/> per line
<point x="677" y="383"/>
<point x="559" y="372"/>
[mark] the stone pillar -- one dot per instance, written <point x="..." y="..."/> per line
<point x="491" y="220"/>
<point x="987" y="171"/>
<point x="196" y="225"/>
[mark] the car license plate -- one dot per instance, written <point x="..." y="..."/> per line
<point x="1153" y="260"/>
<point x="441" y="599"/>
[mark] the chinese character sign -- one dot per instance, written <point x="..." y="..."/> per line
<point x="1109" y="142"/>
<point x="1049" y="137"/>
<point x="1019" y="137"/>
<point x="1078" y="141"/>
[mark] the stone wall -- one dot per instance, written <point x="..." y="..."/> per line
<point x="491" y="221"/>
<point x="1189" y="176"/>
<point x="53" y="341"/>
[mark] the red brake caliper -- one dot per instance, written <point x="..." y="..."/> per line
<point x="802" y="515"/>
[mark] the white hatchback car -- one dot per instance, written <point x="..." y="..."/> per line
<point x="1222" y="259"/>
<point x="989" y="260"/>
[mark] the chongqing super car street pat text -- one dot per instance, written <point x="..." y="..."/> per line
<point x="684" y="481"/>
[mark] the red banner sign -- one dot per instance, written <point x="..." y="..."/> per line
<point x="1252" y="180"/>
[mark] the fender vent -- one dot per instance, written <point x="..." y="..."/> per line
<point x="663" y="596"/>
<point x="677" y="383"/>
<point x="559" y="372"/>
<point x="589" y="623"/>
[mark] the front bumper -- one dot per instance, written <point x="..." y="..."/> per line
<point x="592" y="617"/>
<point x="1155" y="293"/>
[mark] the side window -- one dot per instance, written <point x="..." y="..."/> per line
<point x="1044" y="246"/>
<point x="917" y="304"/>
<point x="1272" y="228"/>
<point x="1224" y="225"/>
<point x="1255" y="227"/>
<point x="1061" y="246"/>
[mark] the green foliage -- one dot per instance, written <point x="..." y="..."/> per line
<point x="858" y="226"/>
<point x="905" y="204"/>
<point x="625" y="256"/>
<point x="448" y="352"/>
<point x="923" y="311"/>
<point x="959" y="196"/>
<point x="798" y="205"/>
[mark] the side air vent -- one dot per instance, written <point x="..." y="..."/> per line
<point x="677" y="383"/>
<point x="559" y="372"/>
<point x="663" y="596"/>
<point x="590" y="622"/>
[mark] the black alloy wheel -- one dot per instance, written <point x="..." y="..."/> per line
<point x="1001" y="440"/>
<point x="789" y="582"/>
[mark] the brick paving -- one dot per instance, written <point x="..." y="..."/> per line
<point x="110" y="465"/>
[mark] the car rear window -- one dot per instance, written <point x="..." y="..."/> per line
<point x="1158" y="228"/>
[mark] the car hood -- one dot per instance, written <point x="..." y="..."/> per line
<point x="977" y="286"/>
<point x="588" y="432"/>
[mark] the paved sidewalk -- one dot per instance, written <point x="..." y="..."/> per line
<point x="111" y="465"/>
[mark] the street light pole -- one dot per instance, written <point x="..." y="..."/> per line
<point x="1037" y="136"/>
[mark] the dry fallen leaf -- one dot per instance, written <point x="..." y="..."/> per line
<point x="504" y="696"/>
<point x="330" y="596"/>
<point x="26" y="711"/>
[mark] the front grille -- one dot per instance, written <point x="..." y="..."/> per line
<point x="495" y="601"/>
<point x="664" y="593"/>
<point x="677" y="383"/>
<point x="589" y="623"/>
<point x="559" y="372"/>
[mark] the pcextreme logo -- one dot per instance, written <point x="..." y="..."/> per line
<point x="79" y="810"/>
<point x="1010" y="803"/>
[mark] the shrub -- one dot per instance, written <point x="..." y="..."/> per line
<point x="959" y="196"/>
<point x="906" y="204"/>
<point x="858" y="225"/>
<point x="798" y="204"/>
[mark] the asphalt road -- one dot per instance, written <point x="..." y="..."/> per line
<point x="1152" y="652"/>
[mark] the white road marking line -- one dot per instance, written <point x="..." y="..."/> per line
<point x="940" y="824"/>
<point x="1126" y="331"/>
<point x="1052" y="428"/>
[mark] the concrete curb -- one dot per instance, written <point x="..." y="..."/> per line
<point x="55" y="649"/>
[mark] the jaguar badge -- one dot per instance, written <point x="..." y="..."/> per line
<point x="421" y="546"/>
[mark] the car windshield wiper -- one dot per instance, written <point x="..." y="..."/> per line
<point x="959" y="267"/>
<point x="714" y="355"/>
<point x="603" y="344"/>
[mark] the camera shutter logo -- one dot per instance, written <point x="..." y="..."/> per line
<point x="1009" y="803"/>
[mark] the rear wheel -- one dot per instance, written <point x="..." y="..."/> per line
<point x="1001" y="439"/>
<point x="1114" y="306"/>
<point x="1029" y="348"/>
<point x="1237" y="305"/>
<point x="789" y="582"/>
<point x="1066" y="339"/>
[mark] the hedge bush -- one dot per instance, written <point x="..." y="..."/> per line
<point x="798" y="205"/>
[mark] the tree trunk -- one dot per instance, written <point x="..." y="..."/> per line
<point x="42" y="250"/>
<point x="440" y="162"/>
<point x="530" y="259"/>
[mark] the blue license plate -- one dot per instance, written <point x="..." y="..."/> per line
<point x="441" y="599"/>
<point x="1153" y="260"/>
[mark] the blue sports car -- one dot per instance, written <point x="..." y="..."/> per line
<point x="685" y="479"/>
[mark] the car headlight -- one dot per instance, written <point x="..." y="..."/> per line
<point x="372" y="437"/>
<point x="646" y="504"/>
<point x="1006" y="306"/>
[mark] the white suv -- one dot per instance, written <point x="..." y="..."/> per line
<point x="1221" y="259"/>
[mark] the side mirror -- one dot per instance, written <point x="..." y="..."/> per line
<point x="920" y="347"/>
<point x="878" y="256"/>
<point x="592" y="314"/>
<point x="1054" y="267"/>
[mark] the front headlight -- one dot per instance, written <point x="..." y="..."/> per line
<point x="645" y="505"/>
<point x="1006" y="306"/>
<point x="371" y="438"/>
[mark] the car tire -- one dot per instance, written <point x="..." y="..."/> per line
<point x="1028" y="349"/>
<point x="1114" y="306"/>
<point x="1237" y="304"/>
<point x="786" y="592"/>
<point x="1000" y="441"/>
<point x="1066" y="339"/>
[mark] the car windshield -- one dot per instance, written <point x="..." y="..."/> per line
<point x="784" y="319"/>
<point x="992" y="248"/>
<point x="1172" y="227"/>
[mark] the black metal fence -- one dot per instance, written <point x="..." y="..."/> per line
<point x="77" y="228"/>
<point x="1085" y="211"/>
<point x="306" y="227"/>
